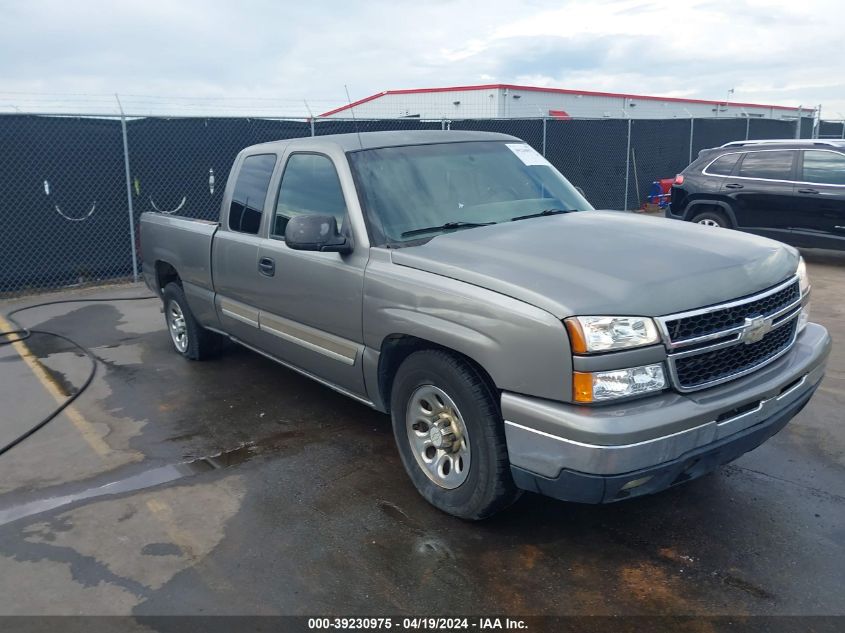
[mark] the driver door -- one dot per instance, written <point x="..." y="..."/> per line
<point x="310" y="303"/>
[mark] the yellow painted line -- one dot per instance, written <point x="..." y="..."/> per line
<point x="85" y="428"/>
<point x="164" y="513"/>
<point x="193" y="550"/>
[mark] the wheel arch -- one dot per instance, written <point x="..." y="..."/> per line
<point x="396" y="347"/>
<point x="165" y="273"/>
<point x="695" y="207"/>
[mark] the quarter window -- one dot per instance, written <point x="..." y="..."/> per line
<point x="824" y="167"/>
<point x="250" y="193"/>
<point x="309" y="186"/>
<point x="769" y="165"/>
<point x="724" y="165"/>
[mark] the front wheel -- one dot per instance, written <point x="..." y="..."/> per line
<point x="450" y="435"/>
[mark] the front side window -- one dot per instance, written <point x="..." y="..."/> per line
<point x="415" y="192"/>
<point x="724" y="165"/>
<point x="824" y="167"/>
<point x="310" y="185"/>
<point x="250" y="193"/>
<point x="775" y="165"/>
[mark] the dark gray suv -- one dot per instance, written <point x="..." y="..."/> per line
<point x="788" y="190"/>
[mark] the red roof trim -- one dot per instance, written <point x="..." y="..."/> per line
<point x="586" y="93"/>
<point x="355" y="103"/>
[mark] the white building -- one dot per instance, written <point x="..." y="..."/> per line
<point x="503" y="101"/>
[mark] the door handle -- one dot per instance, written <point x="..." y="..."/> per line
<point x="808" y="191"/>
<point x="267" y="266"/>
<point x="733" y="185"/>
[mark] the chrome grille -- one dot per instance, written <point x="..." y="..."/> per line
<point x="719" y="343"/>
<point x="701" y="369"/>
<point x="722" y="319"/>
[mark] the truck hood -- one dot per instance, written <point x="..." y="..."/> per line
<point x="606" y="263"/>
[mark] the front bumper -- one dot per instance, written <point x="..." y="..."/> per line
<point x="592" y="454"/>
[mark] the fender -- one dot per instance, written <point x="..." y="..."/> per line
<point x="521" y="347"/>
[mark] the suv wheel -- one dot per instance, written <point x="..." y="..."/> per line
<point x="189" y="338"/>
<point x="712" y="218"/>
<point x="450" y="435"/>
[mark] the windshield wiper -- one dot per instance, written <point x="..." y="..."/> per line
<point x="445" y="227"/>
<point x="542" y="213"/>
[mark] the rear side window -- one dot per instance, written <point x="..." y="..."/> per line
<point x="250" y="193"/>
<point x="309" y="185"/>
<point x="724" y="165"/>
<point x="824" y="167"/>
<point x="770" y="165"/>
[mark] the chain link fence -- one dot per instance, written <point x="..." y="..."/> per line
<point x="831" y="129"/>
<point x="72" y="188"/>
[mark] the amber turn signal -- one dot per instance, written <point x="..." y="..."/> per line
<point x="582" y="386"/>
<point x="576" y="335"/>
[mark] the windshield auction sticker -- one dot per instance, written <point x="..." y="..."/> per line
<point x="527" y="154"/>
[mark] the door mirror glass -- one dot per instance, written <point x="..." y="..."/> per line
<point x="316" y="232"/>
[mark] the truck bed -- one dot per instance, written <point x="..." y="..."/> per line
<point x="184" y="243"/>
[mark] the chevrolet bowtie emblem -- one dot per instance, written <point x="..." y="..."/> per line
<point x="755" y="329"/>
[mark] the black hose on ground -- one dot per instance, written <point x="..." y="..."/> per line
<point x="23" y="333"/>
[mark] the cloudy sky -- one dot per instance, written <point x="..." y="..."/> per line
<point x="265" y="57"/>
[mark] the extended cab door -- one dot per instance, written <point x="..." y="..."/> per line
<point x="820" y="199"/>
<point x="234" y="251"/>
<point x="761" y="187"/>
<point x="311" y="302"/>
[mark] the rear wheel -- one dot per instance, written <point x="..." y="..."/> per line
<point x="712" y="218"/>
<point x="450" y="435"/>
<point x="189" y="338"/>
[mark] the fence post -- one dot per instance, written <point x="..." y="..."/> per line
<point x="798" y="124"/>
<point x="747" y="127"/>
<point x="442" y="124"/>
<point x="128" y="190"/>
<point x="544" y="136"/>
<point x="312" y="126"/>
<point x="691" y="130"/>
<point x="627" y="164"/>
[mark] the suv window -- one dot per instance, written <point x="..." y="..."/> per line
<point x="824" y="167"/>
<point x="250" y="193"/>
<point x="771" y="165"/>
<point x="309" y="185"/>
<point x="724" y="165"/>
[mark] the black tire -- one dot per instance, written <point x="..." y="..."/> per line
<point x="201" y="344"/>
<point x="488" y="487"/>
<point x="712" y="218"/>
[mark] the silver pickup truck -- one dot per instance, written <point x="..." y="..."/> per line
<point x="519" y="339"/>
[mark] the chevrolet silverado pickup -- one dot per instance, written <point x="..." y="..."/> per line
<point x="518" y="338"/>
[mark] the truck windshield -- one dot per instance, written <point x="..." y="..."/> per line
<point x="415" y="192"/>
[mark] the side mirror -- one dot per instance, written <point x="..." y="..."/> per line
<point x="316" y="233"/>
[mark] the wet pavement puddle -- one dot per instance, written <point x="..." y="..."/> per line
<point x="139" y="481"/>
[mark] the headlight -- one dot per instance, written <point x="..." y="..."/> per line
<point x="618" y="383"/>
<point x="803" y="279"/>
<point x="606" y="333"/>
<point x="804" y="286"/>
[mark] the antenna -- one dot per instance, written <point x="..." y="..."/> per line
<point x="354" y="120"/>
